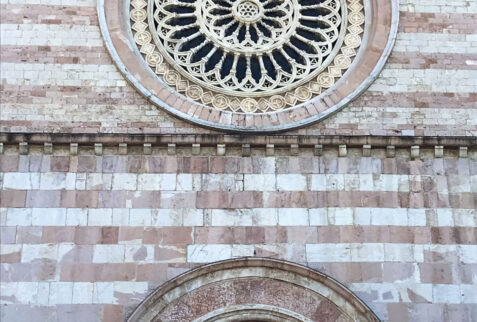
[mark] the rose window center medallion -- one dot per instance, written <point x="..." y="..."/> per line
<point x="249" y="56"/>
<point x="247" y="11"/>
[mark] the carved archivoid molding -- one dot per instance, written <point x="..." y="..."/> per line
<point x="248" y="289"/>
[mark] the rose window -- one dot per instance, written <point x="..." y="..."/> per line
<point x="250" y="56"/>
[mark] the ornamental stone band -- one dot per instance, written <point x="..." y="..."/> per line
<point x="249" y="66"/>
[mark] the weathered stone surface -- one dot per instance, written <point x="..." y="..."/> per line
<point x="246" y="286"/>
<point x="86" y="235"/>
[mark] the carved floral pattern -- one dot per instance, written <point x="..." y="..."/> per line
<point x="249" y="56"/>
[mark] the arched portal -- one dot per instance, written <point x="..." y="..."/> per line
<point x="252" y="289"/>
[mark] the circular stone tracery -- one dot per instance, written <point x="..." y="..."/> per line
<point x="250" y="56"/>
<point x="247" y="27"/>
<point x="362" y="49"/>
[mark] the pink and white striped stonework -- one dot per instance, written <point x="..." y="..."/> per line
<point x="113" y="209"/>
<point x="91" y="236"/>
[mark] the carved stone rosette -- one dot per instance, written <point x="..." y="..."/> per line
<point x="251" y="56"/>
<point x="250" y="66"/>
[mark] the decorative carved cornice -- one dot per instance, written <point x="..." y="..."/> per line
<point x="110" y="139"/>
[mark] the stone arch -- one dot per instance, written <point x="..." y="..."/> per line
<point x="252" y="289"/>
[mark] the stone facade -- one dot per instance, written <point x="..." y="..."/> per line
<point x="381" y="196"/>
<point x="58" y="76"/>
<point x="251" y="289"/>
<point x="91" y="235"/>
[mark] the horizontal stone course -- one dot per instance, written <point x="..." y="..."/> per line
<point x="444" y="183"/>
<point x="48" y="14"/>
<point x="439" y="6"/>
<point x="291" y="233"/>
<point x="184" y="165"/>
<point x="239" y="199"/>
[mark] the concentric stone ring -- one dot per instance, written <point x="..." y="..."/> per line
<point x="250" y="65"/>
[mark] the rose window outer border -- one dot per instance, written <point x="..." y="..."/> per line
<point x="335" y="64"/>
<point x="381" y="23"/>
